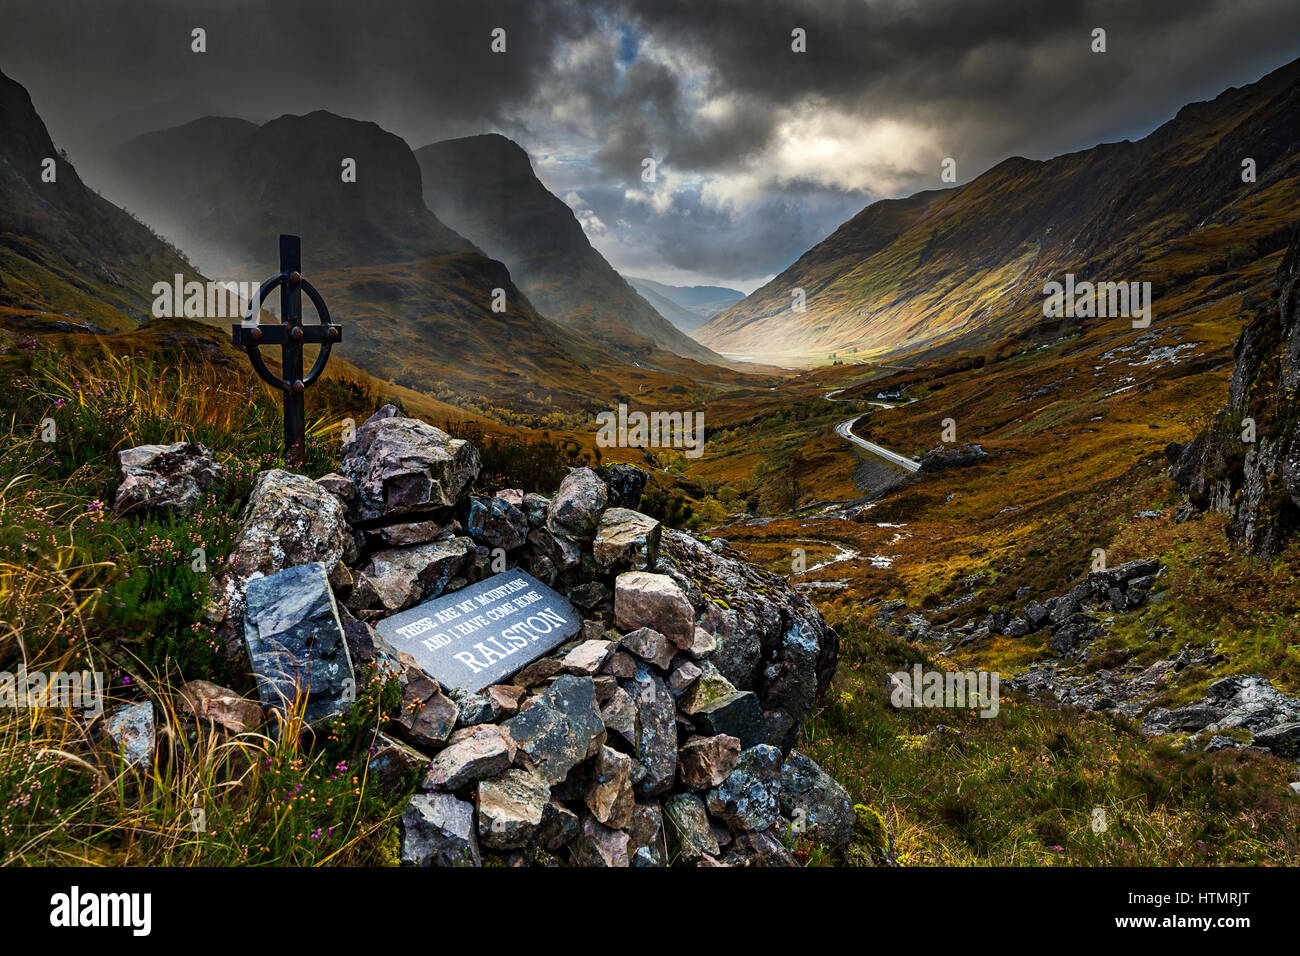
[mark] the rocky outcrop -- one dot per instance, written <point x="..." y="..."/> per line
<point x="166" y="480"/>
<point x="1248" y="464"/>
<point x="943" y="458"/>
<point x="659" y="734"/>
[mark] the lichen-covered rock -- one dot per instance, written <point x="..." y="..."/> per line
<point x="771" y="639"/>
<point x="687" y="828"/>
<point x="289" y="520"/>
<point x="646" y="841"/>
<point x="404" y="466"/>
<point x="166" y="480"/>
<point x="748" y="798"/>
<point x="819" y="807"/>
<point x="296" y="644"/>
<point x="626" y="539"/>
<point x="437" y="829"/>
<point x="132" y="732"/>
<point x="656" y="731"/>
<point x="759" y="849"/>
<point x="575" y="509"/>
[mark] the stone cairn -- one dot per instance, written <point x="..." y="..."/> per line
<point x="661" y="734"/>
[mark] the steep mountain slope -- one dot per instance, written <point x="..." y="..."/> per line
<point x="969" y="263"/>
<point x="68" y="258"/>
<point x="485" y="187"/>
<point x="416" y="297"/>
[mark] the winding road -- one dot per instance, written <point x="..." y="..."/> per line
<point x="845" y="430"/>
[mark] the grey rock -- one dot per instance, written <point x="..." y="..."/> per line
<point x="132" y="732"/>
<point x="438" y="830"/>
<point x="404" y="466"/>
<point x="656" y="743"/>
<point x="562" y="729"/>
<point x="757" y="850"/>
<point x="626" y="484"/>
<point x="749" y="798"/>
<point x="818" y="805"/>
<point x="738" y="714"/>
<point x="166" y="480"/>
<point x="295" y="642"/>
<point x="289" y="521"/>
<point x="496" y="523"/>
<point x="575" y="509"/>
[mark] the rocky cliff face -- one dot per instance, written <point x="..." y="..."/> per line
<point x="1248" y="464"/>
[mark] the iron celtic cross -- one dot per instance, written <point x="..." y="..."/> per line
<point x="290" y="335"/>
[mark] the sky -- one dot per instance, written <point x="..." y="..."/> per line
<point x="759" y="150"/>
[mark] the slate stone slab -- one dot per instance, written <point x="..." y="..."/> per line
<point x="483" y="633"/>
<point x="296" y="643"/>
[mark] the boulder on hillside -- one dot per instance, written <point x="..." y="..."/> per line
<point x="403" y="466"/>
<point x="289" y="520"/>
<point x="165" y="480"/>
<point x="944" y="458"/>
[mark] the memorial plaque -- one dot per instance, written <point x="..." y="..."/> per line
<point x="481" y="634"/>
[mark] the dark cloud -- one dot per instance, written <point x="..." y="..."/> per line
<point x="762" y="151"/>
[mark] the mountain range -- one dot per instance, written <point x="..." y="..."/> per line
<point x="485" y="187"/>
<point x="686" y="307"/>
<point x="961" y="267"/>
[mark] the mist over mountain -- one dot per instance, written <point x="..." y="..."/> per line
<point x="67" y="255"/>
<point x="687" y="307"/>
<point x="485" y="187"/>
<point x="969" y="263"/>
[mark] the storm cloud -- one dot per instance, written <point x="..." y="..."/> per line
<point x="758" y="151"/>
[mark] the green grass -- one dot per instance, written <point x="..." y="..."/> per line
<point x="1021" y="788"/>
